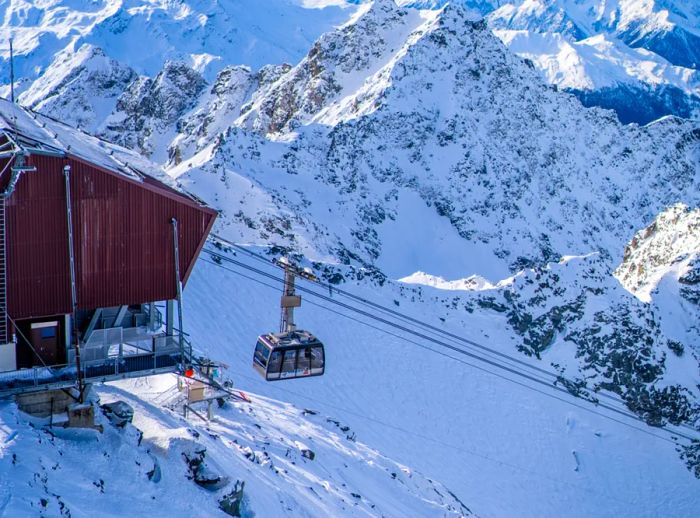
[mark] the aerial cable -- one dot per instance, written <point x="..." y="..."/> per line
<point x="531" y="378"/>
<point x="431" y="327"/>
<point x="452" y="347"/>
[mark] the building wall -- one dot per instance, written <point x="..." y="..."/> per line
<point x="122" y="233"/>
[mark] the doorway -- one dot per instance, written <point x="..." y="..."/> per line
<point x="40" y="343"/>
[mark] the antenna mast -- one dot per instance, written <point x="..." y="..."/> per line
<point x="12" y="73"/>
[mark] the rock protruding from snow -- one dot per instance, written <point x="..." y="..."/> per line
<point x="670" y="245"/>
<point x="146" y="113"/>
<point x="336" y="64"/>
<point x="80" y="88"/>
<point x="661" y="266"/>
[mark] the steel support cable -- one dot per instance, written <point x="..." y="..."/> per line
<point x="405" y="317"/>
<point x="426" y="325"/>
<point x="452" y="347"/>
<point x="461" y="351"/>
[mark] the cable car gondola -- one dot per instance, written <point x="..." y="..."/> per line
<point x="296" y="354"/>
<point x="291" y="353"/>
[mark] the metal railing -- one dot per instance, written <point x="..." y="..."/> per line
<point x="125" y="360"/>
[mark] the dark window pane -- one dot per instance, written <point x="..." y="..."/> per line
<point x="304" y="362"/>
<point x="275" y="362"/>
<point x="316" y="357"/>
<point x="289" y="363"/>
<point x="261" y="354"/>
<point x="50" y="332"/>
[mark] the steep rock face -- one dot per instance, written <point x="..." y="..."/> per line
<point x="672" y="238"/>
<point x="147" y="111"/>
<point x="455" y="127"/>
<point x="537" y="16"/>
<point x="575" y="316"/>
<point x="661" y="266"/>
<point x="81" y="88"/>
<point x="219" y="106"/>
<point x="338" y="57"/>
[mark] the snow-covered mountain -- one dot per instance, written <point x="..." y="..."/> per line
<point x="205" y="34"/>
<point x="410" y="157"/>
<point x="639" y="85"/>
<point x="596" y="49"/>
<point x="667" y="27"/>
<point x="618" y="55"/>
<point x="592" y="48"/>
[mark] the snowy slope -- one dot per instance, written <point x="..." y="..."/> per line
<point x="205" y="34"/>
<point x="661" y="267"/>
<point x="45" y="473"/>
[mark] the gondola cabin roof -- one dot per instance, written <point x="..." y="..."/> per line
<point x="297" y="339"/>
<point x="121" y="219"/>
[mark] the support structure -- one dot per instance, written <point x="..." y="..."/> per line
<point x="73" y="290"/>
<point x="178" y="284"/>
<point x="12" y="73"/>
<point x="290" y="299"/>
<point x="4" y="320"/>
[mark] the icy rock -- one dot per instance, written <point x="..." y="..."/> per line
<point x="119" y="413"/>
<point x="155" y="474"/>
<point x="202" y="473"/>
<point x="232" y="502"/>
<point x="308" y="454"/>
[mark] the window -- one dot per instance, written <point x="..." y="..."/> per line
<point x="275" y="362"/>
<point x="289" y="363"/>
<point x="304" y="362"/>
<point x="317" y="359"/>
<point x="262" y="353"/>
<point x="48" y="332"/>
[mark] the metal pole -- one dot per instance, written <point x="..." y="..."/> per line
<point x="288" y="310"/>
<point x="12" y="73"/>
<point x="73" y="290"/>
<point x="178" y="284"/>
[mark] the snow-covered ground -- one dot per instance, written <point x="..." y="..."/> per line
<point x="263" y="443"/>
<point x="502" y="449"/>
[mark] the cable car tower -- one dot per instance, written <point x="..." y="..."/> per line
<point x="291" y="353"/>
